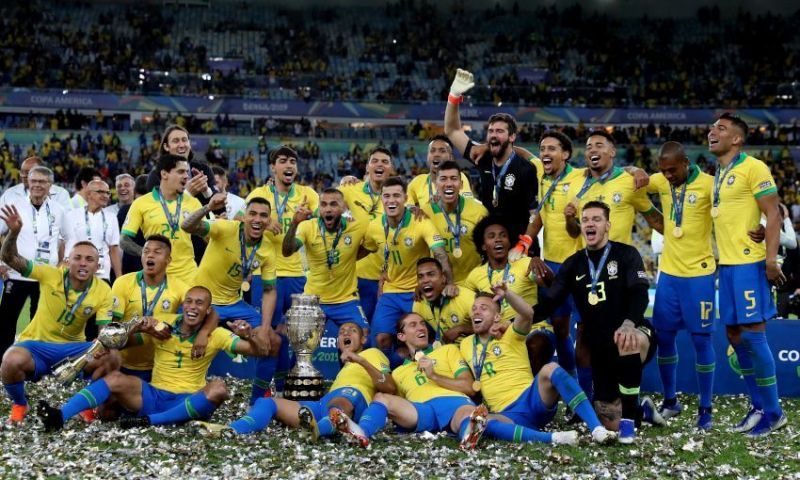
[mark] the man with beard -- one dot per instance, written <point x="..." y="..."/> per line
<point x="331" y="244"/>
<point x="363" y="199"/>
<point x="448" y="317"/>
<point x="508" y="182"/>
<point x="238" y="256"/>
<point x="161" y="212"/>
<point x="422" y="189"/>
<point x="455" y="216"/>
<point x="175" y="141"/>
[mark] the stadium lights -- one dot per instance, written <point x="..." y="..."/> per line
<point x="64" y="92"/>
<point x="211" y="97"/>
<point x="206" y="77"/>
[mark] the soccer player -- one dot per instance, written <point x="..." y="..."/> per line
<point x="403" y="240"/>
<point x="364" y="202"/>
<point x="422" y="188"/>
<point x="238" y="256"/>
<point x="448" y="317"/>
<point x="69" y="297"/>
<point x="609" y="286"/>
<point x="161" y="212"/>
<point x="94" y="224"/>
<point x="147" y="293"/>
<point x="455" y="215"/>
<point x="331" y="245"/>
<point x="364" y="373"/>
<point x="39" y="240"/>
<point x="744" y="190"/>
<point x="508" y="182"/>
<point x="685" y="288"/>
<point x="504" y="378"/>
<point x="179" y="391"/>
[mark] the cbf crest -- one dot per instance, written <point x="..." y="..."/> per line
<point x="565" y="188"/>
<point x="408" y="241"/>
<point x="731" y="179"/>
<point x="348" y="240"/>
<point x="87" y="311"/>
<point x="497" y="351"/>
<point x="509" y="180"/>
<point x="166" y="304"/>
<point x="616" y="198"/>
<point x="692" y="198"/>
<point x="612" y="268"/>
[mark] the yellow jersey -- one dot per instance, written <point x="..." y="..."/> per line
<point x="471" y="212"/>
<point x="174" y="369"/>
<point x="506" y="371"/>
<point x="482" y="277"/>
<point x="748" y="180"/>
<point x="337" y="284"/>
<point x="421" y="189"/>
<point x="451" y="312"/>
<point x="410" y="241"/>
<point x="224" y="254"/>
<point x="291" y="266"/>
<point x="147" y="214"/>
<point x="537" y="162"/>
<point x="127" y="303"/>
<point x="689" y="255"/>
<point x="365" y="205"/>
<point x="558" y="244"/>
<point x="415" y="386"/>
<point x="58" y="319"/>
<point x="353" y="375"/>
<point x="618" y="192"/>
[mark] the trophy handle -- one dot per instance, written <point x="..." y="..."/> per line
<point x="68" y="370"/>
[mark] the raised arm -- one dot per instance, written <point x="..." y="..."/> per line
<point x="524" y="318"/>
<point x="194" y="225"/>
<point x="463" y="81"/>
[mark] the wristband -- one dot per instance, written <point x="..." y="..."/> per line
<point x="454" y="99"/>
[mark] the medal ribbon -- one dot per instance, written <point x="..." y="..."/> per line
<point x="490" y="271"/>
<point x="498" y="177"/>
<point x="594" y="272"/>
<point x="394" y="239"/>
<point x="247" y="262"/>
<point x="280" y="207"/>
<point x="677" y="203"/>
<point x="78" y="303"/>
<point x="147" y="308"/>
<point x="477" y="367"/>
<point x="441" y="303"/>
<point x="550" y="190"/>
<point x="329" y="257"/>
<point x="590" y="180"/>
<point x="173" y="222"/>
<point x="720" y="179"/>
<point x="455" y="229"/>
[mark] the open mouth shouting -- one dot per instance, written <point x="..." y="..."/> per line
<point x="590" y="232"/>
<point x="594" y="161"/>
<point x="288" y="176"/>
<point x="256" y="229"/>
<point x="449" y="194"/>
<point x="393" y="208"/>
<point x="378" y="173"/>
<point x="428" y="291"/>
<point x="547" y="163"/>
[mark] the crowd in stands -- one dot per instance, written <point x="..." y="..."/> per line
<point x="405" y="51"/>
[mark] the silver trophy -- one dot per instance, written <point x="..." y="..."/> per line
<point x="112" y="336"/>
<point x="306" y="324"/>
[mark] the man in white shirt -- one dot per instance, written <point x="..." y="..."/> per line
<point x="95" y="224"/>
<point x="82" y="179"/>
<point x="40" y="240"/>
<point x="233" y="203"/>
<point x="19" y="193"/>
<point x="124" y="184"/>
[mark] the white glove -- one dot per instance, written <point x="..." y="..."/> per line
<point x="565" y="438"/>
<point x="462" y="83"/>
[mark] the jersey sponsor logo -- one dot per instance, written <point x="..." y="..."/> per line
<point x="510" y="180"/>
<point x="616" y="198"/>
<point x="764" y="185"/>
<point x="497" y="351"/>
<point x="731" y="179"/>
<point x="692" y="198"/>
<point x="612" y="268"/>
<point x="408" y="241"/>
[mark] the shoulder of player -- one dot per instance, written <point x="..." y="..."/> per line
<point x="260" y="192"/>
<point x="624" y="250"/>
<point x="471" y="204"/>
<point x="418" y="179"/>
<point x="100" y="287"/>
<point x="444" y="351"/>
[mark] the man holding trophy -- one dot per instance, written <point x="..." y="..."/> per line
<point x="179" y="391"/>
<point x="69" y="297"/>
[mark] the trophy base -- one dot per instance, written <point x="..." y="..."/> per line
<point x="304" y="388"/>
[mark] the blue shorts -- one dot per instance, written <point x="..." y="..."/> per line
<point x="155" y="400"/>
<point x="684" y="303"/>
<point x="340" y="313"/>
<point x="566" y="308"/>
<point x="143" y="375"/>
<point x="529" y="410"/>
<point x="745" y="296"/>
<point x="435" y="415"/>
<point x="239" y="310"/>
<point x="368" y="296"/>
<point x="47" y="354"/>
<point x="320" y="408"/>
<point x="287" y="286"/>
<point x="390" y="307"/>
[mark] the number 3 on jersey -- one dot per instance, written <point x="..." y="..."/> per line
<point x="601" y="290"/>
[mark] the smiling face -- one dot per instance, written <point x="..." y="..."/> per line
<point x="499" y="139"/>
<point x="256" y="218"/>
<point x="723" y="136"/>
<point x="351" y="338"/>
<point x="431" y="280"/>
<point x="393" y="198"/>
<point x="83" y="262"/>
<point x="438" y="151"/>
<point x="594" y="227"/>
<point x="599" y="153"/>
<point x="553" y="156"/>
<point x="379" y="167"/>
<point x="99" y="194"/>
<point x="38" y="186"/>
<point x="485" y="314"/>
<point x="448" y="184"/>
<point x="177" y="178"/>
<point x="331" y="208"/>
<point x="284" y="169"/>
<point x="195" y="307"/>
<point x="125" y="190"/>
<point x="496" y="242"/>
<point x="155" y="257"/>
<point x="414" y="332"/>
<point x="178" y="143"/>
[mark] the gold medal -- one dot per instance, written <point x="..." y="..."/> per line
<point x="715" y="212"/>
<point x="677" y="232"/>
<point x="593" y="298"/>
<point x="245" y="286"/>
<point x="494" y="202"/>
<point x="160" y="326"/>
<point x="418" y="356"/>
<point x="457" y="252"/>
<point x="476" y="385"/>
<point x="437" y="344"/>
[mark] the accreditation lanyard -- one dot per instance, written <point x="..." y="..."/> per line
<point x="394" y="238"/>
<point x="330" y="255"/>
<point x="147" y="308"/>
<point x="89" y="226"/>
<point x="550" y="190"/>
<point x="720" y="179"/>
<point x="280" y="207"/>
<point x="455" y="228"/>
<point x="34" y="214"/>
<point x="477" y="364"/>
<point x="173" y="222"/>
<point x="78" y="303"/>
<point x="247" y="261"/>
<point x="594" y="272"/>
<point x="498" y="178"/>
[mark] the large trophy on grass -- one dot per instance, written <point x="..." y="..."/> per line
<point x="112" y="336"/>
<point x="306" y="324"/>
